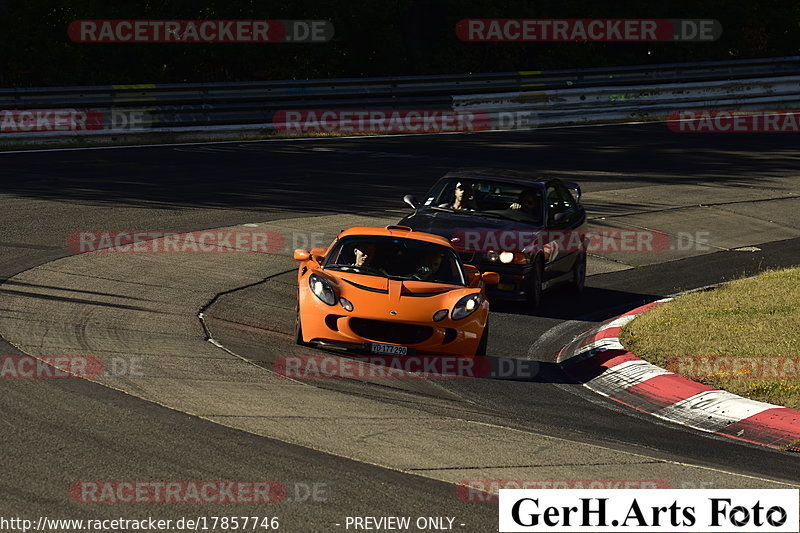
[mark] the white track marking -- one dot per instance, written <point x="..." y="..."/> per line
<point x="712" y="410"/>
<point x="623" y="376"/>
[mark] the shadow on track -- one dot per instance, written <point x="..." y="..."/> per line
<point x="372" y="173"/>
<point x="597" y="302"/>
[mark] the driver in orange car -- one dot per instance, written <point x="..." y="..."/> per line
<point x="430" y="267"/>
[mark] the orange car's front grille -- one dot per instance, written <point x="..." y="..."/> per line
<point x="332" y="321"/>
<point x="394" y="332"/>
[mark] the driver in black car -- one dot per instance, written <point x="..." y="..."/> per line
<point x="527" y="201"/>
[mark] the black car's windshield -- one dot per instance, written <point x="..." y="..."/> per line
<point x="396" y="258"/>
<point x="485" y="197"/>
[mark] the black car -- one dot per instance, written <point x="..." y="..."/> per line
<point x="532" y="231"/>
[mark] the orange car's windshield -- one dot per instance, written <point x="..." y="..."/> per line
<point x="396" y="258"/>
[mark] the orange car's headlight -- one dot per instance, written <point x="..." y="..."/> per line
<point x="466" y="306"/>
<point x="322" y="289"/>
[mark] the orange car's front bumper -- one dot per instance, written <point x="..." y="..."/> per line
<point x="333" y="325"/>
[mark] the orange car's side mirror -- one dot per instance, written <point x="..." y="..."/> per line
<point x="473" y="274"/>
<point x="490" y="278"/>
<point x="318" y="254"/>
<point x="302" y="255"/>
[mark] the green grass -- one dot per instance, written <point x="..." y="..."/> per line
<point x="743" y="337"/>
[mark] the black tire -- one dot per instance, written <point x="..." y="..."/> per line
<point x="298" y="328"/>
<point x="579" y="274"/>
<point x="534" y="296"/>
<point x="481" y="351"/>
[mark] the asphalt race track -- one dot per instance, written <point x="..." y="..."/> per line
<point x="737" y="190"/>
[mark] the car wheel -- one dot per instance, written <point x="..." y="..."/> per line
<point x="298" y="328"/>
<point x="481" y="351"/>
<point x="535" y="285"/>
<point x="579" y="273"/>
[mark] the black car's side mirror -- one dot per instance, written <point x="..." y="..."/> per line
<point x="411" y="200"/>
<point x="575" y="189"/>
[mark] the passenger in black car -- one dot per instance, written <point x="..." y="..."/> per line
<point x="462" y="198"/>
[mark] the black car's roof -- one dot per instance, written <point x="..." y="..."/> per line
<point x="508" y="176"/>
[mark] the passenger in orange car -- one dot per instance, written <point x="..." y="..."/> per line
<point x="364" y="253"/>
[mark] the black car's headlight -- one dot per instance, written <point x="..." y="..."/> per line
<point x="322" y="289"/>
<point x="518" y="258"/>
<point x="466" y="306"/>
<point x="506" y="257"/>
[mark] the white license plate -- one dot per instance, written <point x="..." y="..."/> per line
<point x="388" y="349"/>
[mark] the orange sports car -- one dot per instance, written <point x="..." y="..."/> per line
<point x="391" y="291"/>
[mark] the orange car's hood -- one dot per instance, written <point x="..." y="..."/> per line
<point x="376" y="297"/>
<point x="372" y="282"/>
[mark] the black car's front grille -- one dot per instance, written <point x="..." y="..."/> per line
<point x="394" y="332"/>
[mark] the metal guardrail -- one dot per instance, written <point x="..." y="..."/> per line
<point x="640" y="101"/>
<point x="559" y="96"/>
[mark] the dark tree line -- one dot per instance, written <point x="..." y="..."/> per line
<point x="373" y="38"/>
